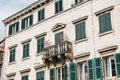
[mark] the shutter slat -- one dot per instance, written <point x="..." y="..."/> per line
<point x="72" y="71"/>
<point x="98" y="69"/>
<point x="108" y="21"/>
<point x="91" y="69"/>
<point x="117" y="57"/>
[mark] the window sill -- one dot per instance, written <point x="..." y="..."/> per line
<point x="77" y="4"/>
<point x="23" y="59"/>
<point x="11" y="63"/>
<point x="105" y="33"/>
<point x="38" y="54"/>
<point x="111" y="78"/>
<point x="81" y="40"/>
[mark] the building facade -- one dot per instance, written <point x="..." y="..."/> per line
<point x="63" y="40"/>
<point x="2" y="45"/>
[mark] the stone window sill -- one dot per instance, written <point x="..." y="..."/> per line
<point x="111" y="78"/>
<point x="11" y="63"/>
<point x="23" y="59"/>
<point x="105" y="33"/>
<point x="41" y="53"/>
<point x="81" y="40"/>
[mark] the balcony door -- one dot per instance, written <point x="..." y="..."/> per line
<point x="59" y="38"/>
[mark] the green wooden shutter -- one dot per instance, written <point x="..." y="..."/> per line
<point x="24" y="52"/>
<point x="39" y="17"/>
<point x="91" y="69"/>
<point x="117" y="57"/>
<point x="108" y="21"/>
<point x="60" y="5"/>
<point x="72" y="71"/>
<point x="27" y="50"/>
<point x="82" y="30"/>
<point x="40" y="44"/>
<point x="76" y="1"/>
<point x="98" y="69"/>
<point x="17" y="26"/>
<point x="14" y="50"/>
<point x="56" y="7"/>
<point x="25" y="77"/>
<point x="102" y="23"/>
<point x="52" y="74"/>
<point x="43" y="14"/>
<point x="65" y="72"/>
<point x="40" y="75"/>
<point x="31" y="20"/>
<point x="23" y="24"/>
<point x="10" y="29"/>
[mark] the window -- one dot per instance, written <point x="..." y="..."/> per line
<point x="78" y="1"/>
<point x="25" y="50"/>
<point x="41" y="14"/>
<point x="105" y="22"/>
<point x="58" y="6"/>
<point x="40" y="44"/>
<point x="26" y="22"/>
<point x="25" y="77"/>
<point x="109" y="66"/>
<point x="83" y="71"/>
<point x="13" y="28"/>
<point x="80" y="30"/>
<point x="12" y="55"/>
<point x="60" y="74"/>
<point x="40" y="75"/>
<point x="59" y="38"/>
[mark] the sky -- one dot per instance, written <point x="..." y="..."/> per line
<point x="8" y="8"/>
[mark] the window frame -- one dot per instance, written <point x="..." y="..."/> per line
<point x="11" y="55"/>
<point x="39" y="38"/>
<point x="111" y="20"/>
<point x="59" y="7"/>
<point x="28" y="54"/>
<point x="108" y="74"/>
<point x="83" y="21"/>
<point x="81" y="66"/>
<point x="25" y="76"/>
<point x="40" y="72"/>
<point x="41" y="14"/>
<point x="61" y="73"/>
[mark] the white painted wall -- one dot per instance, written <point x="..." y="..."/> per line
<point x="93" y="43"/>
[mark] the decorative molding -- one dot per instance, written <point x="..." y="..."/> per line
<point x="39" y="66"/>
<point x="104" y="10"/>
<point x="80" y="19"/>
<point x="26" y="10"/>
<point x="15" y="45"/>
<point x="58" y="26"/>
<point x="108" y="49"/>
<point x="25" y="71"/>
<point x="40" y="35"/>
<point x="25" y="41"/>
<point x="11" y="74"/>
<point x="82" y="55"/>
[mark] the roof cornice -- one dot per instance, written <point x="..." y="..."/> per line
<point x="26" y="10"/>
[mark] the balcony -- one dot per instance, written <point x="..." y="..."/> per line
<point x="58" y="53"/>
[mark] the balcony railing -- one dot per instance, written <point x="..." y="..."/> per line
<point x="58" y="49"/>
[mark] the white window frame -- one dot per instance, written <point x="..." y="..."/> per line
<point x="108" y="73"/>
<point x="81" y="71"/>
<point x="61" y="72"/>
<point x="27" y="22"/>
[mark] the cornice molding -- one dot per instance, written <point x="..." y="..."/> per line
<point x="114" y="47"/>
<point x="104" y="10"/>
<point x="25" y="71"/>
<point x="25" y="41"/>
<point x="11" y="74"/>
<point x="15" y="45"/>
<point x="82" y="55"/>
<point x="58" y="26"/>
<point x="39" y="67"/>
<point x="26" y="10"/>
<point x="80" y="19"/>
<point x="41" y="34"/>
